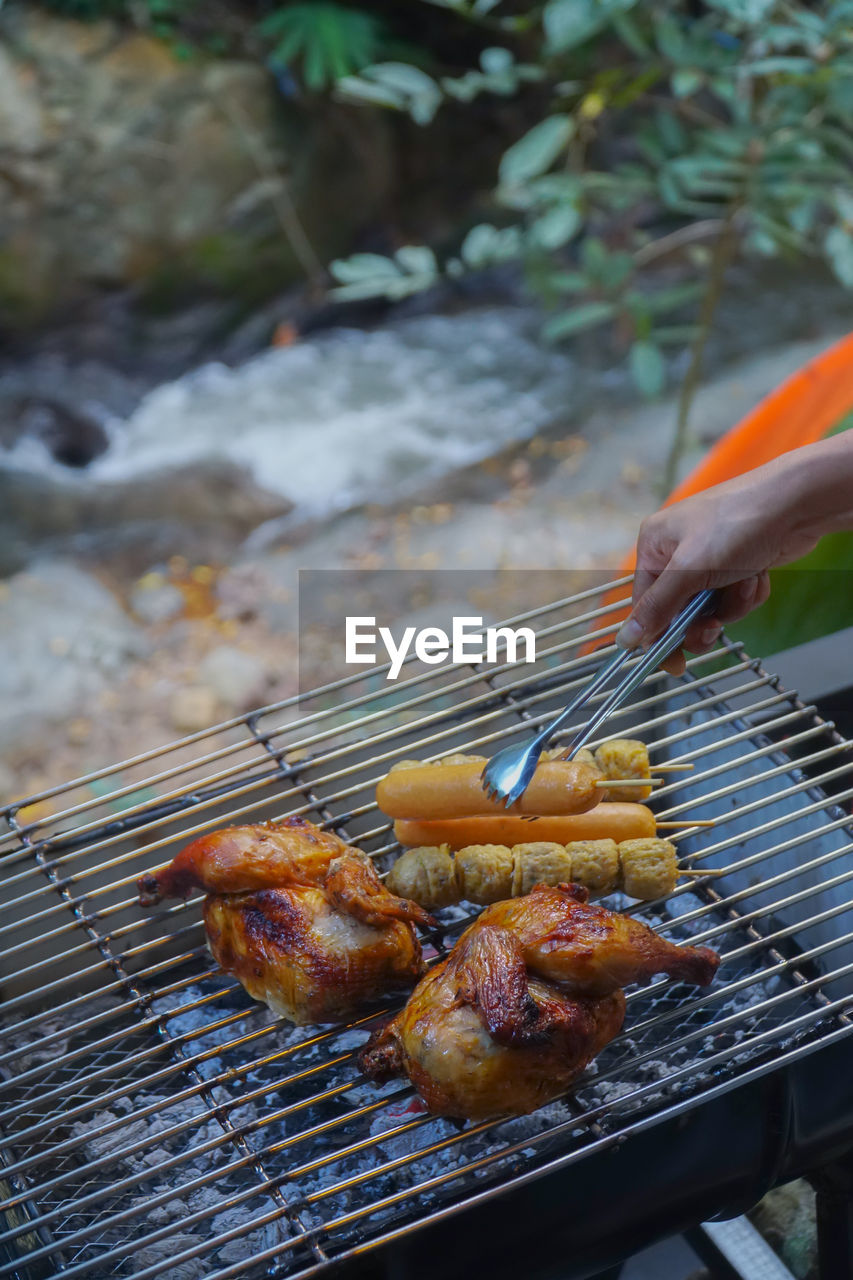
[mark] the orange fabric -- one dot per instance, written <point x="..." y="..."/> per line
<point x="801" y="411"/>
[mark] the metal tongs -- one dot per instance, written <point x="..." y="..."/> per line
<point x="507" y="774"/>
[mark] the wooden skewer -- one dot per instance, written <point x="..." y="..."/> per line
<point x="673" y="768"/>
<point x="687" y="822"/>
<point x="629" y="782"/>
<point x="692" y="871"/>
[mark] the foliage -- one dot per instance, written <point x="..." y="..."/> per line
<point x="327" y="41"/>
<point x="316" y="44"/>
<point x="156" y="14"/>
<point x="667" y="136"/>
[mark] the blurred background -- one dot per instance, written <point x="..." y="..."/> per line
<point x="375" y="285"/>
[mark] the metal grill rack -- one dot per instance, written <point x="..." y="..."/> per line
<point x="155" y="1120"/>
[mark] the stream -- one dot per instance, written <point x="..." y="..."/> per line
<point x="340" y="418"/>
<point x="343" y="417"/>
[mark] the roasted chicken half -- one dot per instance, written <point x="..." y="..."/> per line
<point x="588" y="950"/>
<point x="526" y="999"/>
<point x="264" y="855"/>
<point x="301" y="919"/>
<point x="480" y="1038"/>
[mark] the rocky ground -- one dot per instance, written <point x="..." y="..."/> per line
<point x="99" y="666"/>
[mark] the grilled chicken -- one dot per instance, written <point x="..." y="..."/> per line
<point x="588" y="950"/>
<point x="309" y="961"/>
<point x="301" y="919"/>
<point x="265" y="855"/>
<point x="527" y="997"/>
<point x="480" y="1039"/>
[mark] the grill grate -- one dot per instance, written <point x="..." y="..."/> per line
<point x="151" y="1113"/>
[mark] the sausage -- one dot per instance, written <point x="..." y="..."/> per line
<point x="614" y="821"/>
<point x="456" y="791"/>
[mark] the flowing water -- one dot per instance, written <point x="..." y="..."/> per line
<point x="343" y="417"/>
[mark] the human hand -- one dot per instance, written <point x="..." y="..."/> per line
<point x="725" y="538"/>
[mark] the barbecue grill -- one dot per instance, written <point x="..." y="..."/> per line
<point x="157" y="1121"/>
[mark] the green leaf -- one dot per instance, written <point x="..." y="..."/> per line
<point x="568" y="23"/>
<point x="669" y="299"/>
<point x="496" y="61"/>
<point x="678" y="295"/>
<point x="556" y="227"/>
<point x="676" y="334"/>
<point x="803" y="215"/>
<point x="778" y="66"/>
<point x="671" y="131"/>
<point x="647" y="367"/>
<point x="417" y="259"/>
<point x="478" y="247"/>
<point x="843" y="201"/>
<point x="485" y="244"/>
<point x="363" y="266"/>
<point x="669" y="39"/>
<point x="686" y="82"/>
<point x="569" y="281"/>
<point x="761" y="242"/>
<point x="537" y="150"/>
<point x="418" y="92"/>
<point x="329" y="40"/>
<point x="358" y="89"/>
<point x="749" y="12"/>
<point x="586" y="316"/>
<point x="628" y="31"/>
<point x="838" y="246"/>
<point x="670" y="191"/>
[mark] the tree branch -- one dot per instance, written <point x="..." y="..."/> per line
<point x="724" y="252"/>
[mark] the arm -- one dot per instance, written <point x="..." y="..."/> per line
<point x="729" y="536"/>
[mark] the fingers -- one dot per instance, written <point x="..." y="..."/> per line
<point x="701" y="637"/>
<point x="736" y="601"/>
<point x="658" y="606"/>
<point x="675" y="664"/>
<point x="733" y="603"/>
<point x="703" y="634"/>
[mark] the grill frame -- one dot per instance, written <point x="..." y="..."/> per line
<point x="498" y="708"/>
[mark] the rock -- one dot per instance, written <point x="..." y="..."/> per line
<point x="237" y="678"/>
<point x="249" y="590"/>
<point x="193" y="708"/>
<point x="154" y="600"/>
<point x="124" y="165"/>
<point x="199" y="510"/>
<point x="64" y="640"/>
<point x="71" y="438"/>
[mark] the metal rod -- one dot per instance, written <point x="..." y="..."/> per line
<point x="199" y="828"/>
<point x="419" y="1189"/>
<point x="334" y="778"/>
<point x="324" y="713"/>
